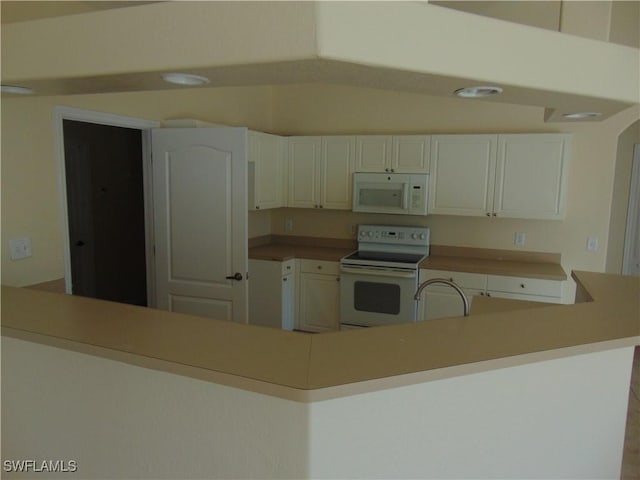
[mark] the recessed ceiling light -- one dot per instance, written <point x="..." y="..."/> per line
<point x="578" y="115"/>
<point x="477" y="92"/>
<point x="185" y="79"/>
<point x="15" y="89"/>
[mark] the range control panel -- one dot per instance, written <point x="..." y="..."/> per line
<point x="393" y="235"/>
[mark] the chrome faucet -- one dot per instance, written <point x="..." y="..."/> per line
<point x="451" y="283"/>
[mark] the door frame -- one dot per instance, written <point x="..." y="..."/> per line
<point x="632" y="211"/>
<point x="61" y="113"/>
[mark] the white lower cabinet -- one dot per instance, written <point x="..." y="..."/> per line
<point x="319" y="296"/>
<point x="439" y="301"/>
<point x="272" y="293"/>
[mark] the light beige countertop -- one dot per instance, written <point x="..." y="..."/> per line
<point x="307" y="367"/>
<point x="495" y="262"/>
<point x="282" y="252"/>
<point x="285" y="247"/>
<point x="546" y="271"/>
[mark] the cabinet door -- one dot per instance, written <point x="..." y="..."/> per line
<point x="373" y="153"/>
<point x="338" y="155"/>
<point x="462" y="174"/>
<point x="288" y="301"/>
<point x="436" y="304"/>
<point x="531" y="176"/>
<point x="319" y="302"/>
<point x="411" y="153"/>
<point x="265" y="293"/>
<point x="267" y="156"/>
<point x="304" y="168"/>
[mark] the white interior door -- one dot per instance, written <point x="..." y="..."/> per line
<point x="200" y="219"/>
<point x="631" y="259"/>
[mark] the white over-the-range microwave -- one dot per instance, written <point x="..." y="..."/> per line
<point x="397" y="193"/>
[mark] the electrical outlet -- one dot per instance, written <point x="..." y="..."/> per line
<point x="519" y="239"/>
<point x="20" y="248"/>
<point x="288" y="225"/>
<point x="592" y="244"/>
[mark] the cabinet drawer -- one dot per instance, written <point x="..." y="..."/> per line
<point x="319" y="266"/>
<point x="526" y="286"/>
<point x="473" y="281"/>
<point x="522" y="296"/>
<point x="288" y="266"/>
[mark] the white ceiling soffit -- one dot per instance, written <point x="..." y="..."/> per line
<point x="402" y="46"/>
<point x="22" y="10"/>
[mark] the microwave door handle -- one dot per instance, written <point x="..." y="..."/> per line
<point x="405" y="194"/>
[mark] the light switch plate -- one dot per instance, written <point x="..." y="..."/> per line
<point x="592" y="244"/>
<point x="288" y="225"/>
<point x="20" y="248"/>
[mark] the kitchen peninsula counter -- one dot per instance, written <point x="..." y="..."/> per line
<point x="307" y="367"/>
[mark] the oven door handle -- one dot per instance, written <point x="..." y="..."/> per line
<point x="379" y="273"/>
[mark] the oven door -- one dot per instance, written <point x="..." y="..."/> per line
<point x="373" y="296"/>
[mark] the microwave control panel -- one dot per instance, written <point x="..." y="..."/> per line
<point x="417" y="198"/>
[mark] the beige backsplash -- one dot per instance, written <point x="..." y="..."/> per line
<point x="332" y="223"/>
<point x="478" y="232"/>
<point x="259" y="223"/>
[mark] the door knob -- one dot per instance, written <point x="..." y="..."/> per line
<point x="236" y="276"/>
<point x="79" y="243"/>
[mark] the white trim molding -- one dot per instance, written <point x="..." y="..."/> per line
<point x="633" y="217"/>
<point x="61" y="113"/>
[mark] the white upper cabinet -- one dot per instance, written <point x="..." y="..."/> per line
<point x="397" y="153"/>
<point x="511" y="176"/>
<point x="373" y="153"/>
<point x="462" y="174"/>
<point x="304" y="171"/>
<point x="336" y="167"/>
<point x="267" y="171"/>
<point x="320" y="171"/>
<point x="531" y="176"/>
<point x="411" y="153"/>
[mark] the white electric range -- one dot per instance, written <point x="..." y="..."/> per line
<point x="379" y="280"/>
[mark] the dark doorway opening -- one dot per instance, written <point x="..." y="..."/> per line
<point x="105" y="204"/>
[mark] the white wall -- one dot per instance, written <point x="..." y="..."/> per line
<point x="620" y="200"/>
<point x="562" y="418"/>
<point x="553" y="419"/>
<point x="123" y="421"/>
